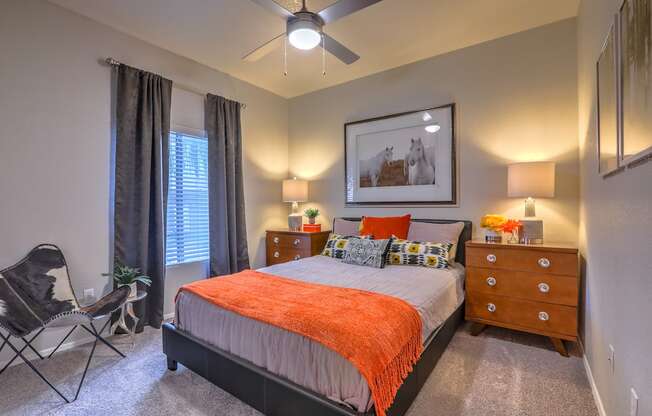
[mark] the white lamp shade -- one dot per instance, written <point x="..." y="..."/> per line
<point x="531" y="179"/>
<point x="295" y="190"/>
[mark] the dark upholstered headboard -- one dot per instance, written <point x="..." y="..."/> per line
<point x="465" y="235"/>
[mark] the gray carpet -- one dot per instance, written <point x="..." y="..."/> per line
<point x="498" y="373"/>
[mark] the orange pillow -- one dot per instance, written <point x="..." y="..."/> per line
<point x="381" y="228"/>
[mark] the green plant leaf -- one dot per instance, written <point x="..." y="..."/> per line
<point x="311" y="212"/>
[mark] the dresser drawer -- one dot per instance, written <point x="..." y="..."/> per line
<point x="522" y="314"/>
<point x="523" y="259"/>
<point x="539" y="287"/>
<point x="288" y="240"/>
<point x="284" y="254"/>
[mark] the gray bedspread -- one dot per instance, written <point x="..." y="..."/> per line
<point x="434" y="293"/>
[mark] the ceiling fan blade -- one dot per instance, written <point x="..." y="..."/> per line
<point x="275" y="8"/>
<point x="340" y="51"/>
<point x="344" y="8"/>
<point x="264" y="49"/>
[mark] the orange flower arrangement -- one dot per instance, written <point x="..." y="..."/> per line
<point x="510" y="226"/>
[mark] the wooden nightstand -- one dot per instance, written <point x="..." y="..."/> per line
<point x="531" y="288"/>
<point x="284" y="245"/>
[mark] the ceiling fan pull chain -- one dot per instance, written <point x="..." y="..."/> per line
<point x="285" y="56"/>
<point x="323" y="55"/>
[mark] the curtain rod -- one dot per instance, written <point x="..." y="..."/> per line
<point x="112" y="62"/>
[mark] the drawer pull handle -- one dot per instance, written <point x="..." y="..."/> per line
<point x="543" y="316"/>
<point x="544" y="288"/>
<point x="276" y="240"/>
<point x="276" y="254"/>
<point x="491" y="307"/>
<point x="491" y="258"/>
<point x="296" y="242"/>
<point x="544" y="262"/>
<point x="491" y="281"/>
<point x="297" y="257"/>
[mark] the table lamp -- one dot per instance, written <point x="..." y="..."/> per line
<point x="531" y="180"/>
<point x="295" y="191"/>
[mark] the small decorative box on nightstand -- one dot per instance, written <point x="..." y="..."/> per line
<point x="284" y="245"/>
<point x="531" y="288"/>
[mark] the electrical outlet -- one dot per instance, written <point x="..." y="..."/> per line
<point x="89" y="293"/>
<point x="633" y="402"/>
<point x="612" y="359"/>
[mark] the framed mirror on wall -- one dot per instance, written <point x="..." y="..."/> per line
<point x="608" y="104"/>
<point x="635" y="27"/>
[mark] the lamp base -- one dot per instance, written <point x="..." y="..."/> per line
<point x="532" y="232"/>
<point x="295" y="221"/>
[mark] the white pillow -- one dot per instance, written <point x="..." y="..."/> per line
<point x="440" y="233"/>
<point x="345" y="227"/>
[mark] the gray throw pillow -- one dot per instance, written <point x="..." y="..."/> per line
<point x="365" y="252"/>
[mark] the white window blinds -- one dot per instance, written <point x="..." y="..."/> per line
<point x="187" y="212"/>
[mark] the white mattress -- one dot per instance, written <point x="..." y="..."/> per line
<point x="434" y="293"/>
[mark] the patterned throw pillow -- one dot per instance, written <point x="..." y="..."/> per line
<point x="337" y="245"/>
<point x="366" y="252"/>
<point x="417" y="253"/>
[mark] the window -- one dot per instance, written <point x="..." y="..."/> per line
<point x="187" y="212"/>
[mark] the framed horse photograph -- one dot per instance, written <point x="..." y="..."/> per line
<point x="402" y="159"/>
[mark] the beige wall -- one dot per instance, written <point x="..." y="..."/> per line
<point x="616" y="243"/>
<point x="516" y="101"/>
<point x="55" y="139"/>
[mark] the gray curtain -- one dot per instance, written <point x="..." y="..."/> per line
<point x="228" y="234"/>
<point x="141" y="181"/>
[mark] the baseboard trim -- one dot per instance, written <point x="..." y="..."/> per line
<point x="594" y="388"/>
<point x="29" y="354"/>
<point x="45" y="351"/>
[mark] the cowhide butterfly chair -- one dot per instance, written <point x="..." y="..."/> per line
<point x="36" y="294"/>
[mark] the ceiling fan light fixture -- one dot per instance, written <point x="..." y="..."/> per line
<point x="305" y="39"/>
<point x="304" y="31"/>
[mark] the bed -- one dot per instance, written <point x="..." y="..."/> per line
<point x="227" y="349"/>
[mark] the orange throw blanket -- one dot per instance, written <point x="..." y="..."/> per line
<point x="380" y="335"/>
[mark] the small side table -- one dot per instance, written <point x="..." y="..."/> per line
<point x="128" y="309"/>
<point x="284" y="245"/>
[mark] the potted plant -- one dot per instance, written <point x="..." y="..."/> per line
<point x="311" y="213"/>
<point x="124" y="275"/>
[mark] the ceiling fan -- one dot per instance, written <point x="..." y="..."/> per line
<point x="304" y="28"/>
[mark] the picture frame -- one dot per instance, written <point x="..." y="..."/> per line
<point x="608" y="112"/>
<point x="635" y="70"/>
<point x="402" y="159"/>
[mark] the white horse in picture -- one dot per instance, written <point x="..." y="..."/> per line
<point x="420" y="163"/>
<point x="372" y="167"/>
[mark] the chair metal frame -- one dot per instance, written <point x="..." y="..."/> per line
<point x="84" y="320"/>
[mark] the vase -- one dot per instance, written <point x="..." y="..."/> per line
<point x="513" y="237"/>
<point x="133" y="292"/>
<point x="311" y="220"/>
<point x="491" y="236"/>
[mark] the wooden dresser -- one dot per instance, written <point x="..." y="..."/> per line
<point x="284" y="245"/>
<point x="531" y="288"/>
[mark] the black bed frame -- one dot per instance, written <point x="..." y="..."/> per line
<point x="273" y="395"/>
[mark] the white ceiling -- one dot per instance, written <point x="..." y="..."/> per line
<point x="391" y="33"/>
